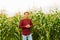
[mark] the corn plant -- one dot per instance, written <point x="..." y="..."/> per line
<point x="45" y="26"/>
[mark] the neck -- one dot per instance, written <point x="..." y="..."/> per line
<point x="26" y="18"/>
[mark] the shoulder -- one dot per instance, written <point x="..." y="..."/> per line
<point x="30" y="19"/>
<point x="21" y="19"/>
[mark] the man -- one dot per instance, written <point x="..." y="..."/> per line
<point x="26" y="25"/>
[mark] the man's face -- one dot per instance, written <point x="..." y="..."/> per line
<point x="26" y="15"/>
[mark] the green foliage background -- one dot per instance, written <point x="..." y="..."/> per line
<point x="46" y="26"/>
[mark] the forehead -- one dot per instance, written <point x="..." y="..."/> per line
<point x="26" y="13"/>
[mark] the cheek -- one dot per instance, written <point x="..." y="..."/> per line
<point x="26" y="15"/>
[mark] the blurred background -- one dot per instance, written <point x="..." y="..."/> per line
<point x="45" y="16"/>
<point x="13" y="6"/>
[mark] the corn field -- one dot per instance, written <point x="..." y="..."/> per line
<point x="46" y="26"/>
